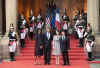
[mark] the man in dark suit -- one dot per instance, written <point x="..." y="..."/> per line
<point x="64" y="45"/>
<point x="47" y="46"/>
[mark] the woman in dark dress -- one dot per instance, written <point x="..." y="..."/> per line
<point x="38" y="47"/>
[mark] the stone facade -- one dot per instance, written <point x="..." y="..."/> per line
<point x="93" y="18"/>
<point x="11" y="17"/>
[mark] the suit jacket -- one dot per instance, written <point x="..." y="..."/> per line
<point x="64" y="44"/>
<point x="46" y="41"/>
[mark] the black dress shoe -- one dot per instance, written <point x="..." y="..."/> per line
<point x="80" y="46"/>
<point x="48" y="63"/>
<point x="66" y="64"/>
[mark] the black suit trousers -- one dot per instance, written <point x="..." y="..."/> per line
<point x="12" y="54"/>
<point x="47" y="54"/>
<point x="22" y="41"/>
<point x="65" y="57"/>
<point x="81" y="42"/>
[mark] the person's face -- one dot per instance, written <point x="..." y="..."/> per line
<point x="22" y="17"/>
<point x="57" y="32"/>
<point x="63" y="33"/>
<point x="65" y="22"/>
<point x="11" y="30"/>
<point x="48" y="30"/>
<point x="80" y="28"/>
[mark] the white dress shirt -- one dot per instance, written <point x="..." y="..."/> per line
<point x="48" y="35"/>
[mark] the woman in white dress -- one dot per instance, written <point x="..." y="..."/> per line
<point x="56" y="46"/>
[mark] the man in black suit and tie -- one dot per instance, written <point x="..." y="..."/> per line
<point x="47" y="46"/>
<point x="64" y="45"/>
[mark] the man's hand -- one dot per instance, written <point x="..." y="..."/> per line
<point x="41" y="47"/>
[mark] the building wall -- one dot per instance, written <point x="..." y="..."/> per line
<point x="26" y="5"/>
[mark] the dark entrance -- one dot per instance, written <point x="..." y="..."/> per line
<point x="3" y="17"/>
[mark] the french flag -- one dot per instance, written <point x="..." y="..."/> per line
<point x="57" y="20"/>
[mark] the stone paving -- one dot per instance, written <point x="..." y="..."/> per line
<point x="95" y="65"/>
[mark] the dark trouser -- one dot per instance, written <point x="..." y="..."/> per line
<point x="47" y="55"/>
<point x="66" y="32"/>
<point x="65" y="57"/>
<point x="22" y="43"/>
<point x="31" y="35"/>
<point x="12" y="54"/>
<point x="76" y="35"/>
<point x="90" y="55"/>
<point x="81" y="42"/>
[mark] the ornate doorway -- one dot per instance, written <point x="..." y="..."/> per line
<point x="2" y="17"/>
<point x="24" y="6"/>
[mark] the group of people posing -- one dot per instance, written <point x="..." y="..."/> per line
<point x="52" y="40"/>
<point x="59" y="45"/>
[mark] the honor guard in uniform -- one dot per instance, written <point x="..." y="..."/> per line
<point x="88" y="31"/>
<point x="39" y="21"/>
<point x="89" y="46"/>
<point x="22" y="30"/>
<point x="12" y="33"/>
<point x="65" y="22"/>
<point x="80" y="32"/>
<point x="12" y="43"/>
<point x="31" y="25"/>
<point x="78" y="22"/>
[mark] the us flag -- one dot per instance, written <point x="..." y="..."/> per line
<point x="48" y="19"/>
<point x="48" y="22"/>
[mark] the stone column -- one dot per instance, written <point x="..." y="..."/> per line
<point x="93" y="14"/>
<point x="11" y="13"/>
<point x="11" y="18"/>
<point x="0" y="28"/>
<point x="93" y="19"/>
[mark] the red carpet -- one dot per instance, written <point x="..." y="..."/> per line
<point x="78" y="59"/>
